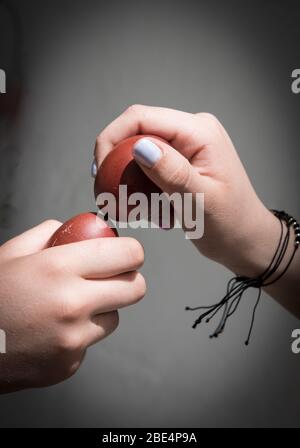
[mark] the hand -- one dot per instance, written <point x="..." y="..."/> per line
<point x="54" y="303"/>
<point x="200" y="157"/>
<point x="240" y="232"/>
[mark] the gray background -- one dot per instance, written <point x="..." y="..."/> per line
<point x="82" y="63"/>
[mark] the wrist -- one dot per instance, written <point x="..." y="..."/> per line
<point x="258" y="244"/>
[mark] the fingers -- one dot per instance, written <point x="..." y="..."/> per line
<point x="31" y="241"/>
<point x="166" y="167"/>
<point x="110" y="294"/>
<point x="184" y="131"/>
<point x="91" y="309"/>
<point x="98" y="258"/>
<point x="88" y="308"/>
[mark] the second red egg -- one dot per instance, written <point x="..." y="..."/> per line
<point x="85" y="226"/>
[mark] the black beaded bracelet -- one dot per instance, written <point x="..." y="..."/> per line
<point x="239" y="284"/>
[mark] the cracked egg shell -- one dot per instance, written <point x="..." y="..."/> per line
<point x="85" y="226"/>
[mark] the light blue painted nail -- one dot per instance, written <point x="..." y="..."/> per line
<point x="146" y="152"/>
<point x="94" y="169"/>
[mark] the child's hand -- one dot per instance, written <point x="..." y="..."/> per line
<point x="240" y="232"/>
<point x="54" y="303"/>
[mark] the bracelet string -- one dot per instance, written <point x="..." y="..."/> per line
<point x="237" y="285"/>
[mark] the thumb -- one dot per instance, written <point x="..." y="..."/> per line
<point x="31" y="241"/>
<point x="165" y="166"/>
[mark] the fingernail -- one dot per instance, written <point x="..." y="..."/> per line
<point x="146" y="152"/>
<point x="94" y="168"/>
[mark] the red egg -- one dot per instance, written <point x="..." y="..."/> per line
<point x="85" y="226"/>
<point x="120" y="168"/>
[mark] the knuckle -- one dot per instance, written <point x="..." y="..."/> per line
<point x="207" y="116"/>
<point x="134" y="109"/>
<point x="71" y="309"/>
<point x="180" y="177"/>
<point x="56" y="266"/>
<point x="70" y="342"/>
<point x="210" y="121"/>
